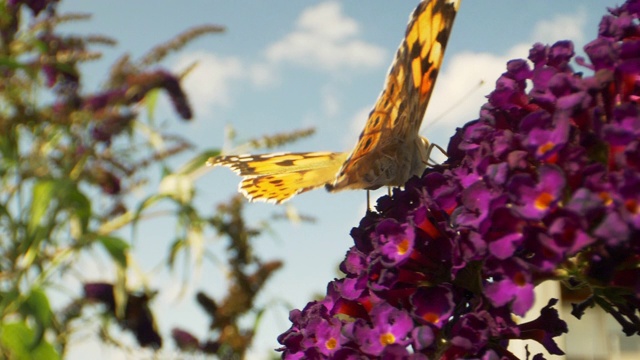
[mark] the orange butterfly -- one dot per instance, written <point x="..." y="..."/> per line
<point x="390" y="149"/>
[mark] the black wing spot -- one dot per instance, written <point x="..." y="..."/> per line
<point x="285" y="163"/>
<point x="376" y="121"/>
<point x="367" y="145"/>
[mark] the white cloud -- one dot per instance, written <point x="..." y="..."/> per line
<point x="457" y="95"/>
<point x="208" y="84"/>
<point x="262" y="75"/>
<point x="325" y="38"/>
<point x="561" y="27"/>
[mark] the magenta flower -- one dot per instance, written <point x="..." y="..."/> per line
<point x="395" y="242"/>
<point x="512" y="284"/>
<point x="543" y="186"/>
<point x="388" y="326"/>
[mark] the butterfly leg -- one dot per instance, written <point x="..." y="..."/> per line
<point x="434" y="145"/>
<point x="429" y="147"/>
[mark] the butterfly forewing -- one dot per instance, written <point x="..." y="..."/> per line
<point x="390" y="150"/>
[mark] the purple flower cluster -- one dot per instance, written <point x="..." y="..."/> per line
<point x="105" y="105"/>
<point x="545" y="185"/>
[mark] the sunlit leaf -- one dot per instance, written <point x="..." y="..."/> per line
<point x="11" y="63"/>
<point x="179" y="187"/>
<point x="197" y="162"/>
<point x="18" y="339"/>
<point x="153" y="136"/>
<point x="43" y="194"/>
<point x="74" y="200"/>
<point x="195" y="239"/>
<point x="117" y="248"/>
<point x="38" y="306"/>
<point x="68" y="197"/>
<point x="176" y="247"/>
<point x="151" y="101"/>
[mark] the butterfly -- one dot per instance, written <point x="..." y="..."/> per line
<point x="390" y="149"/>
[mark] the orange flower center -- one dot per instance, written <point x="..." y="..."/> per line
<point x="606" y="198"/>
<point x="519" y="279"/>
<point x="543" y="200"/>
<point x="431" y="317"/>
<point x="544" y="148"/>
<point x="331" y="343"/>
<point x="403" y="247"/>
<point x="387" y="339"/>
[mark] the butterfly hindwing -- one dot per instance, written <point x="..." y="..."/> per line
<point x="390" y="149"/>
<point x="278" y="177"/>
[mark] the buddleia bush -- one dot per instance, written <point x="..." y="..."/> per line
<point x="543" y="186"/>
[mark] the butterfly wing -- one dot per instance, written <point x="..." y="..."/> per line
<point x="390" y="149"/>
<point x="278" y="177"/>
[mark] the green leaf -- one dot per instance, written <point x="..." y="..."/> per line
<point x="198" y="161"/>
<point x="68" y="197"/>
<point x="151" y="101"/>
<point x="43" y="195"/>
<point x="177" y="245"/>
<point x="18" y="339"/>
<point x="11" y="63"/>
<point x="74" y="200"/>
<point x="117" y="248"/>
<point x="37" y="304"/>
<point x="8" y="300"/>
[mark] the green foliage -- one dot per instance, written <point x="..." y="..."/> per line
<point x="21" y="342"/>
<point x="69" y="162"/>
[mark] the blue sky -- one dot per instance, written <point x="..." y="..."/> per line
<point x="284" y="65"/>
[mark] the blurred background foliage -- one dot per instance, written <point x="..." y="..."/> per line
<point x="71" y="159"/>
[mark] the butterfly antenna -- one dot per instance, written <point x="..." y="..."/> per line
<point x="461" y="100"/>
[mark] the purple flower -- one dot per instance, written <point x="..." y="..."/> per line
<point x="433" y="305"/>
<point x="105" y="129"/>
<point x="537" y="198"/>
<point x="185" y="341"/>
<point x="543" y="186"/>
<point x="470" y="334"/>
<point x="395" y="242"/>
<point x="388" y="326"/>
<point x="137" y="317"/>
<point x="512" y="284"/>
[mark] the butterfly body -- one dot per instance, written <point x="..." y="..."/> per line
<point x="390" y="164"/>
<point x="390" y="149"/>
